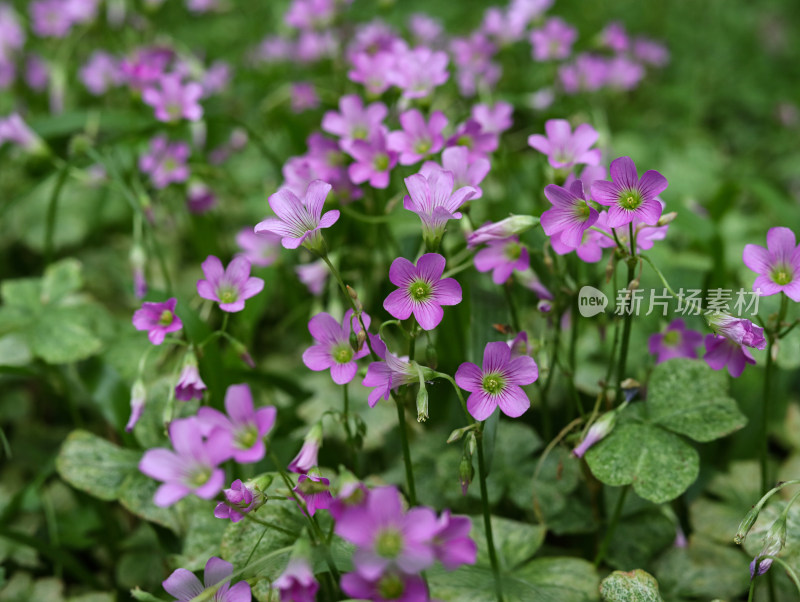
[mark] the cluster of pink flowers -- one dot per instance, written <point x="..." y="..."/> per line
<point x="202" y="442"/>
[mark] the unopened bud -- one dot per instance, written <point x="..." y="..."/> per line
<point x="351" y="291"/>
<point x="138" y="399"/>
<point x="747" y="523"/>
<point x="633" y="284"/>
<point x="422" y="403"/>
<point x="465" y="472"/>
<point x="667" y="218"/>
<point x="601" y="428"/>
<point x="242" y="352"/>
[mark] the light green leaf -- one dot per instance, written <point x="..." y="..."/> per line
<point x="94" y="465"/>
<point x="136" y="496"/>
<point x="59" y="280"/>
<point x="638" y="538"/>
<point x="58" y="340"/>
<point x="23" y="293"/>
<point x="514" y="541"/>
<point x="703" y="570"/>
<point x="659" y="464"/>
<point x="633" y="586"/>
<point x="14" y="351"/>
<point x="689" y="398"/>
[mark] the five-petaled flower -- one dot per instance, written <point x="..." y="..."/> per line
<point x="629" y="196"/>
<point x="332" y="348"/>
<point x="230" y="286"/>
<point x="158" y="319"/>
<point x="422" y="290"/>
<point x="497" y="382"/>
<point x="777" y="266"/>
<point x="563" y="147"/>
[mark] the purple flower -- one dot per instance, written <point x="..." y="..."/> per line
<point x="192" y="468"/>
<point x="650" y="52"/>
<point x="303" y="97"/>
<point x="190" y="385"/>
<point x="417" y="72"/>
<point x="433" y="200"/>
<point x="354" y="121"/>
<point x="239" y="500"/>
<point x="424" y="28"/>
<point x="299" y="221"/>
<point x="306" y="459"/>
<point x="615" y="37"/>
<point x="502" y="257"/>
<point x="494" y="119"/>
<point x="216" y="78"/>
<point x="497" y="382"/>
<point x="417" y="138"/>
<point x="11" y="32"/>
<point x="158" y="319"/>
<point x="570" y="215"/>
<point x="739" y="330"/>
<point x="391" y="586"/>
<point x="777" y="266"/>
<point x="553" y="41"/>
<point x="138" y="399"/>
<point x="185" y="586"/>
<point x="478" y="142"/>
<point x="101" y="72"/>
<point x="146" y="66"/>
<point x="313" y="275"/>
<point x="677" y="341"/>
<point x="373" y="159"/>
<point x="629" y="196"/>
<point x="602" y="427"/>
<point x="372" y="70"/>
<point x="230" y="286"/>
<point x="332" y="346"/>
<point x="173" y="100"/>
<point x="50" y="18"/>
<point x="14" y="129"/>
<point x="201" y="6"/>
<point x="565" y="148"/>
<point x="165" y="163"/>
<point x="594" y="242"/>
<point x="451" y="542"/>
<point x="388" y="375"/>
<point x="623" y="73"/>
<point x="200" y="198"/>
<point x="260" y="249"/>
<point x="456" y="160"/>
<point x="473" y="58"/>
<point x="314" y="491"/>
<point x="37" y="72"/>
<point x="422" y="290"/>
<point x="763" y="566"/>
<point x="488" y="232"/>
<point x="297" y="582"/>
<point x="245" y="426"/>
<point x="722" y="351"/>
<point x="387" y="537"/>
<point x="589" y="72"/>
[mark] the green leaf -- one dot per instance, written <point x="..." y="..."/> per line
<point x="659" y="464"/>
<point x="514" y="541"/>
<point x="689" y="398"/>
<point x="203" y="533"/>
<point x="136" y="496"/>
<point x="246" y="537"/>
<point x="543" y="580"/>
<point x="703" y="570"/>
<point x="14" y="351"/>
<point x="638" y="538"/>
<point x="59" y="280"/>
<point x="23" y="293"/>
<point x="633" y="586"/>
<point x="94" y="465"/>
<point x="57" y="339"/>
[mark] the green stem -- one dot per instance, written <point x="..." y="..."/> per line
<point x="765" y="417"/>
<point x="401" y="420"/>
<point x="546" y="421"/>
<point x="752" y="590"/>
<point x="612" y="526"/>
<point x="512" y="308"/>
<point x="660" y="275"/>
<point x="487" y="519"/>
<point x="626" y="337"/>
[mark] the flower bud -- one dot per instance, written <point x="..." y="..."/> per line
<point x="633" y="284"/>
<point x="747" y="523"/>
<point x="465" y="472"/>
<point x="667" y="218"/>
<point x="307" y="457"/>
<point x="138" y="399"/>
<point x="422" y="403"/>
<point x="601" y="428"/>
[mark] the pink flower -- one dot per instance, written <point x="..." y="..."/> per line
<point x="589" y="72"/>
<point x="354" y="121"/>
<point x="417" y="72"/>
<point x="50" y="18"/>
<point x="297" y="582"/>
<point x="138" y="400"/>
<point x="260" y="249"/>
<point x="451" y="542"/>
<point x="502" y="257"/>
<point x="373" y="159"/>
<point x="101" y="72"/>
<point x="417" y="139"/>
<point x="372" y="70"/>
<point x="230" y="286"/>
<point x="239" y="500"/>
<point x="390" y="586"/>
<point x="511" y="226"/>
<point x="570" y="215"/>
<point x="314" y="491"/>
<point x="677" y="341"/>
<point x="185" y="586"/>
<point x="332" y="346"/>
<point x="602" y="427"/>
<point x="314" y="275"/>
<point x="172" y="100"/>
<point x="739" y="330"/>
<point x="629" y="196"/>
<point x="304" y="97"/>
<point x="190" y="385"/>
<point x="478" y="142"/>
<point x="723" y="352"/>
<point x="615" y="37"/>
<point x="388" y="375"/>
<point x="166" y="162"/>
<point x="299" y="221"/>
<point x="306" y="459"/>
<point x="192" y="468"/>
<point x="498" y="382"/>
<point x="433" y="200"/>
<point x="245" y="426"/>
<point x="553" y="41"/>
<point x="158" y="319"/>
<point x="200" y="198"/>
<point x="466" y="172"/>
<point x="494" y="119"/>
<point x="422" y="290"/>
<point x="565" y="148"/>
<point x="777" y="266"/>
